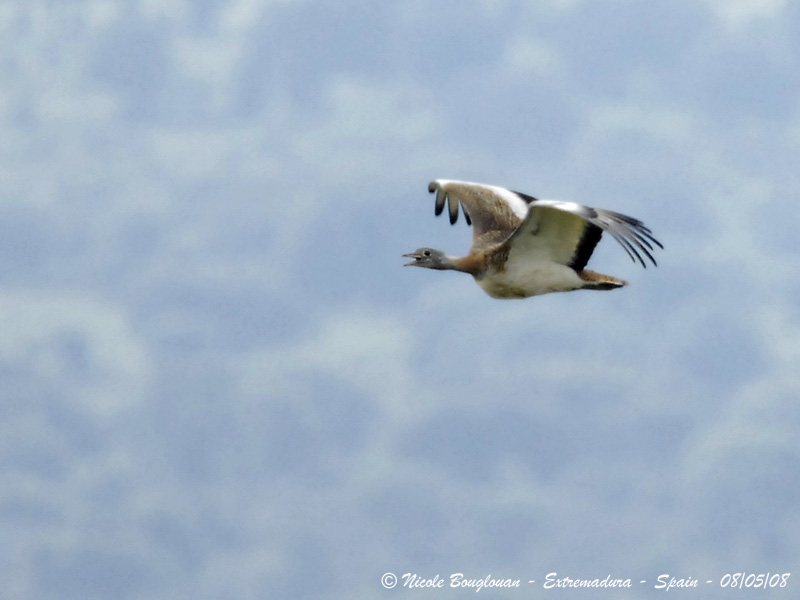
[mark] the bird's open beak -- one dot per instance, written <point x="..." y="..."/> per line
<point x="413" y="262"/>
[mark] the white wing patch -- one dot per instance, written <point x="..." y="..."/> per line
<point x="517" y="205"/>
<point x="572" y="207"/>
<point x="630" y="233"/>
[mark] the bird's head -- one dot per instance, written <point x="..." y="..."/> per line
<point x="429" y="258"/>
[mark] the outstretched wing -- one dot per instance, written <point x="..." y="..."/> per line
<point x="567" y="233"/>
<point x="494" y="212"/>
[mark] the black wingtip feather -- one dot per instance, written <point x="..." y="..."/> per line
<point x="631" y="234"/>
<point x="452" y="204"/>
<point x="440" y="198"/>
<point x="626" y="245"/>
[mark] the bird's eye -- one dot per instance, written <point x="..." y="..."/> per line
<point x="427" y="253"/>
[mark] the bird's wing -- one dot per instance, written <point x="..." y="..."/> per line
<point x="494" y="212"/>
<point x="567" y="233"/>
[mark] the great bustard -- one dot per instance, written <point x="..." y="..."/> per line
<point x="524" y="247"/>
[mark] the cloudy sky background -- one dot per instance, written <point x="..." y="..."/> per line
<point x="218" y="381"/>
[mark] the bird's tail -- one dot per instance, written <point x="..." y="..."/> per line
<point x="597" y="281"/>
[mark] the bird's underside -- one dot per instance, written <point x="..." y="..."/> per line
<point x="517" y="278"/>
<point x="523" y="246"/>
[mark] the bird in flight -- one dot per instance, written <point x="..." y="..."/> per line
<point x="523" y="246"/>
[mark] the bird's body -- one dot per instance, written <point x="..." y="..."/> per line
<point x="526" y="247"/>
<point x="517" y="279"/>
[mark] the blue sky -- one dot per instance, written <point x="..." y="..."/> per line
<point x="218" y="381"/>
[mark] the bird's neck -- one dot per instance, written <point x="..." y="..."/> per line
<point x="471" y="263"/>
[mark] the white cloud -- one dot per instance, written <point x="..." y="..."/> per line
<point x="779" y="329"/>
<point x="526" y="56"/>
<point x="360" y="111"/>
<point x="658" y="123"/>
<point x="190" y="154"/>
<point x="366" y="127"/>
<point x="83" y="345"/>
<point x="102" y="13"/>
<point x="369" y="350"/>
<point x="211" y="61"/>
<point x="176" y="11"/>
<point x="214" y="56"/>
<point x="738" y="14"/>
